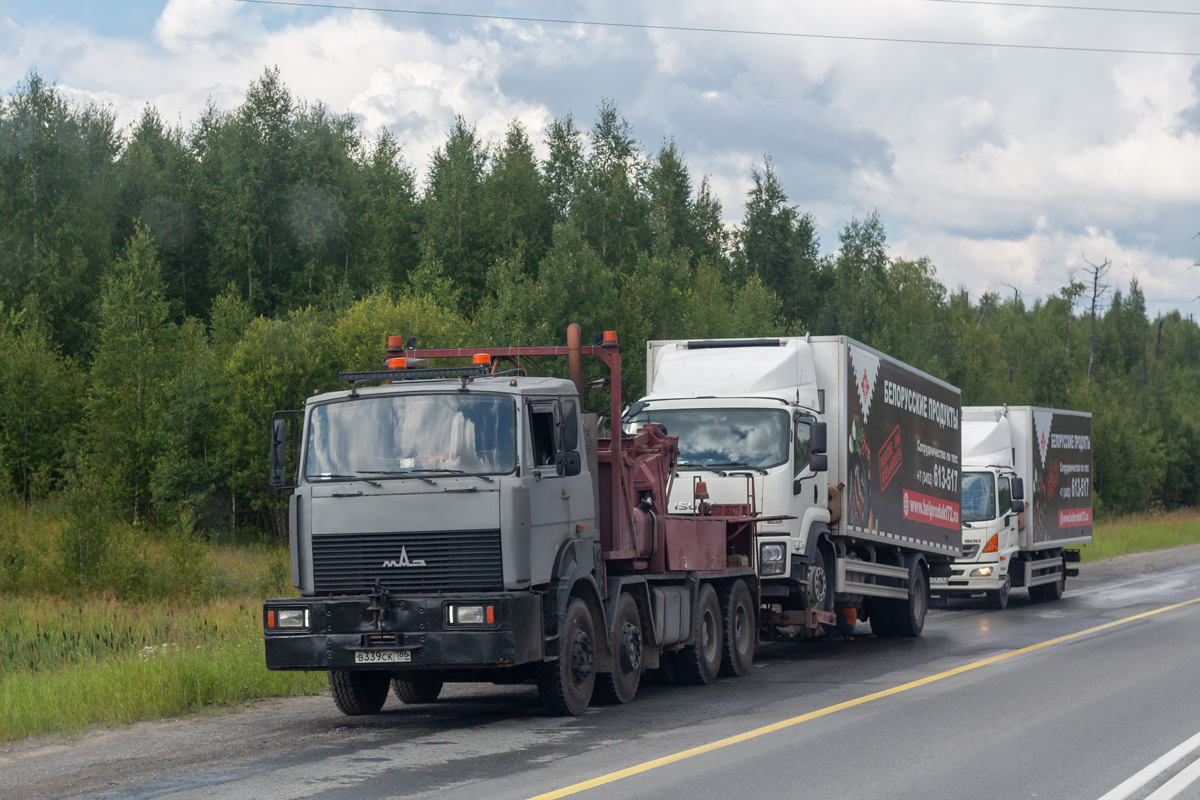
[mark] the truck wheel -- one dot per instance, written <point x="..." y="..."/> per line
<point x="740" y="630"/>
<point x="879" y="614"/>
<point x="908" y="616"/>
<point x="1050" y="591"/>
<point x="566" y="685"/>
<point x="700" y="661"/>
<point x="999" y="598"/>
<point x="620" y="685"/>
<point x="357" y="693"/>
<point x="417" y="690"/>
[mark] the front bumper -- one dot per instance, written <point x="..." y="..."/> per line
<point x="340" y="627"/>
<point x="961" y="582"/>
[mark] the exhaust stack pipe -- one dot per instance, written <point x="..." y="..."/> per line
<point x="575" y="358"/>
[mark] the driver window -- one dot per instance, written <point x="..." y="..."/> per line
<point x="543" y="433"/>
<point x="1005" y="492"/>
<point x="803" y="448"/>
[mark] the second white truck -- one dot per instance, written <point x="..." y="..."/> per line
<point x="1026" y="499"/>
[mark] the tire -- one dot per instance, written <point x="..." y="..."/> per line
<point x="819" y="592"/>
<point x="741" y="630"/>
<point x="417" y="690"/>
<point x="357" y="693"/>
<point x="620" y="685"/>
<point x="999" y="598"/>
<point x="908" y="616"/>
<point x="699" y="663"/>
<point x="566" y="684"/>
<point x="879" y="614"/>
<point x="1050" y="591"/>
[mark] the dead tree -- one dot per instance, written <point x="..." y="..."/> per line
<point x="1097" y="272"/>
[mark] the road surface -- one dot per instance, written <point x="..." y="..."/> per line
<point x="1094" y="696"/>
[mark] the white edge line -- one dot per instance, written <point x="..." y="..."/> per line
<point x="1160" y="765"/>
<point x="1177" y="784"/>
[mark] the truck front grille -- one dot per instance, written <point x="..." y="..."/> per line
<point x="970" y="550"/>
<point x="454" y="561"/>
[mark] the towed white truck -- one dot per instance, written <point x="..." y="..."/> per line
<point x="849" y="459"/>
<point x="1008" y="540"/>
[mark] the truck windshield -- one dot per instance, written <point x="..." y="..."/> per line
<point x="978" y="496"/>
<point x="386" y="437"/>
<point x="724" y="437"/>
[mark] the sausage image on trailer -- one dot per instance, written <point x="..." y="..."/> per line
<point x="1027" y="501"/>
<point x="853" y="459"/>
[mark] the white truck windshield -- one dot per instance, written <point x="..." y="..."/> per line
<point x="724" y="437"/>
<point x="978" y="496"/>
<point x="389" y="437"/>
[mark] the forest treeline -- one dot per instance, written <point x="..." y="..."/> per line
<point x="166" y="288"/>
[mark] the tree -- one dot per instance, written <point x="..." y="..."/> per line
<point x="1098" y="290"/>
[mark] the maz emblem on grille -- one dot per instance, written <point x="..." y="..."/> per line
<point x="404" y="561"/>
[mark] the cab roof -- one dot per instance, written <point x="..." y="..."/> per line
<point x="499" y="384"/>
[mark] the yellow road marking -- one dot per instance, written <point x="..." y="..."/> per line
<point x="787" y="723"/>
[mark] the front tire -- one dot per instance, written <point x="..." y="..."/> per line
<point x="566" y="685"/>
<point x="998" y="599"/>
<point x="740" y="630"/>
<point x="699" y="662"/>
<point x="620" y="685"/>
<point x="413" y="691"/>
<point x="358" y="693"/>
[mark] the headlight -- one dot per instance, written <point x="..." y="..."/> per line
<point x="288" y="618"/>
<point x="981" y="572"/>
<point x="470" y="615"/>
<point x="771" y="559"/>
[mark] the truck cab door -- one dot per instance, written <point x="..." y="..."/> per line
<point x="1008" y="533"/>
<point x="549" y="492"/>
<point x="809" y="489"/>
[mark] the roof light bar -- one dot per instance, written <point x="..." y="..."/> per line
<point x="411" y="374"/>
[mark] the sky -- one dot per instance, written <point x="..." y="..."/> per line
<point x="1009" y="168"/>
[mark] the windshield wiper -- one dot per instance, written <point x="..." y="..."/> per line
<point x="384" y="473"/>
<point x="687" y="465"/>
<point x="464" y="473"/>
<point x="333" y="476"/>
<point x="738" y="465"/>
<point x="967" y="524"/>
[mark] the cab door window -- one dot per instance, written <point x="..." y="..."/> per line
<point x="1004" y="490"/>
<point x="802" y="449"/>
<point x="545" y="434"/>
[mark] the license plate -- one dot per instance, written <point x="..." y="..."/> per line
<point x="938" y="580"/>
<point x="382" y="656"/>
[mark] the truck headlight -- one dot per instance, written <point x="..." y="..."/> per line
<point x="981" y="572"/>
<point x="771" y="559"/>
<point x="287" y="618"/>
<point x="470" y="615"/>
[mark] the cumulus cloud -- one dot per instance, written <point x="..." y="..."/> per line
<point x="1004" y="166"/>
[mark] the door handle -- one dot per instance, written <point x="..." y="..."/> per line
<point x="566" y="495"/>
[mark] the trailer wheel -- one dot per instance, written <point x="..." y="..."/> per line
<point x="879" y="614"/>
<point x="700" y="661"/>
<point x="999" y="598"/>
<point x="908" y="616"/>
<point x="740" y="630"/>
<point x="620" y="685"/>
<point x="357" y="693"/>
<point x="417" y="690"/>
<point x="566" y="684"/>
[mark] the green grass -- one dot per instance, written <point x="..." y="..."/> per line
<point x="65" y="666"/>
<point x="1142" y="532"/>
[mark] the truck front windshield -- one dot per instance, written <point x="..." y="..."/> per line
<point x="383" y="437"/>
<point x="724" y="437"/>
<point x="978" y="496"/>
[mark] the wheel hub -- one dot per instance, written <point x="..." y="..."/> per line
<point x="631" y="648"/>
<point x="818" y="585"/>
<point x="581" y="658"/>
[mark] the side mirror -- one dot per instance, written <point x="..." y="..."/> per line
<point x="1018" y="506"/>
<point x="570" y="421"/>
<point x="569" y="463"/>
<point x="277" y="475"/>
<point x="818" y="462"/>
<point x="819" y="440"/>
<point x="1018" y="489"/>
<point x="634" y="409"/>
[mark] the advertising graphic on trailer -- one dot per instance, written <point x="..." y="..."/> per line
<point x="903" y="453"/>
<point x="1062" y="476"/>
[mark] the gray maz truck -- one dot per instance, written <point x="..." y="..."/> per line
<point x="473" y="523"/>
<point x="1011" y="540"/>
<point x="852" y="458"/>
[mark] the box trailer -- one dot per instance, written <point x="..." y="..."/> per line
<point x="1027" y="501"/>
<point x="851" y="459"/>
